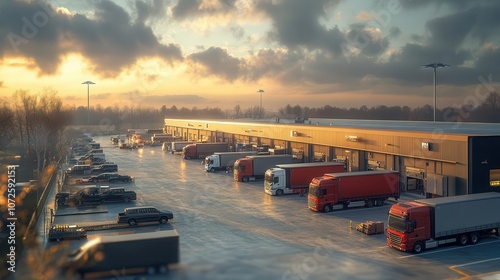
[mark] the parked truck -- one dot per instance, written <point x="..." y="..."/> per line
<point x="224" y="160"/>
<point x="251" y="168"/>
<point x="126" y="253"/>
<point x="177" y="146"/>
<point x="201" y="150"/>
<point x="371" y="187"/>
<point x="295" y="178"/>
<point x="427" y="223"/>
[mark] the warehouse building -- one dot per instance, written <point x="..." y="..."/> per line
<point x="442" y="159"/>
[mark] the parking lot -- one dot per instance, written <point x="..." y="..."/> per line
<point x="233" y="230"/>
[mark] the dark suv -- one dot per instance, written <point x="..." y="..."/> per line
<point x="134" y="215"/>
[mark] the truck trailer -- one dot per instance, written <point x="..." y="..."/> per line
<point x="295" y="178"/>
<point x="201" y="150"/>
<point x="427" y="223"/>
<point x="251" y="168"/>
<point x="223" y="160"/>
<point x="371" y="187"/>
<point x="148" y="251"/>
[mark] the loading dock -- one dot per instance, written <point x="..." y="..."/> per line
<point x="468" y="154"/>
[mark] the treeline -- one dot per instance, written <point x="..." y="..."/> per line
<point x="487" y="111"/>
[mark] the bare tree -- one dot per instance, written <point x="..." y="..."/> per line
<point x="237" y="111"/>
<point x="6" y="125"/>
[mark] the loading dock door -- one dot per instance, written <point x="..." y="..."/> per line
<point x="415" y="179"/>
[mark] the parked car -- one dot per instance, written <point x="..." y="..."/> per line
<point x="118" y="195"/>
<point x="105" y="167"/>
<point x="135" y="215"/>
<point x="79" y="169"/>
<point x="62" y="232"/>
<point x="109" y="177"/>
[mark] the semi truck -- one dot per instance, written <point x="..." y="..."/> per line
<point x="295" y="178"/>
<point x="201" y="150"/>
<point x="427" y="223"/>
<point x="126" y="253"/>
<point x="177" y="146"/>
<point x="370" y="187"/>
<point x="251" y="168"/>
<point x="223" y="160"/>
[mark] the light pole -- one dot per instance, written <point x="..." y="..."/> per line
<point x="88" y="83"/>
<point x="260" y="108"/>
<point x="435" y="65"/>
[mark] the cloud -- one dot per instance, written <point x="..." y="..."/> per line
<point x="196" y="8"/>
<point x="156" y="9"/>
<point x="296" y="23"/>
<point x="111" y="41"/>
<point x="215" y="62"/>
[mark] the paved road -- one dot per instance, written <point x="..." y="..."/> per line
<point x="231" y="230"/>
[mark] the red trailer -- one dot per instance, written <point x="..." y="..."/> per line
<point x="372" y="187"/>
<point x="201" y="150"/>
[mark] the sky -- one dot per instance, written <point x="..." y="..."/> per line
<point x="220" y="53"/>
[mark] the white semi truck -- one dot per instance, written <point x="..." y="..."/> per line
<point x="223" y="160"/>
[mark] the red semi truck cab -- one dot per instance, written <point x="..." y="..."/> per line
<point x="317" y="187"/>
<point x="189" y="151"/>
<point x="408" y="223"/>
<point x="243" y="168"/>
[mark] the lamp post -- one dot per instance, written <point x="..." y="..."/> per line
<point x="435" y="65"/>
<point x="88" y="83"/>
<point x="260" y="108"/>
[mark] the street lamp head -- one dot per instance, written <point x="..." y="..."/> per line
<point x="260" y="90"/>
<point x="88" y="83"/>
<point x="435" y="65"/>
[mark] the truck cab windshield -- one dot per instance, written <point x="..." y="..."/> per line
<point x="398" y="223"/>
<point x="269" y="178"/>
<point x="313" y="190"/>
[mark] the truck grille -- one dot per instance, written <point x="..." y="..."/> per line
<point x="394" y="239"/>
<point x="311" y="204"/>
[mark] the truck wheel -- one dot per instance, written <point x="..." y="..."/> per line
<point x="369" y="203"/>
<point x="103" y="201"/>
<point x="126" y="199"/>
<point x="474" y="238"/>
<point x="212" y="170"/>
<point x="244" y="179"/>
<point x="327" y="208"/>
<point x="279" y="192"/>
<point x="463" y="240"/>
<point x="418" y="247"/>
<point x="379" y="202"/>
<point x="163" y="220"/>
<point x="132" y="222"/>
